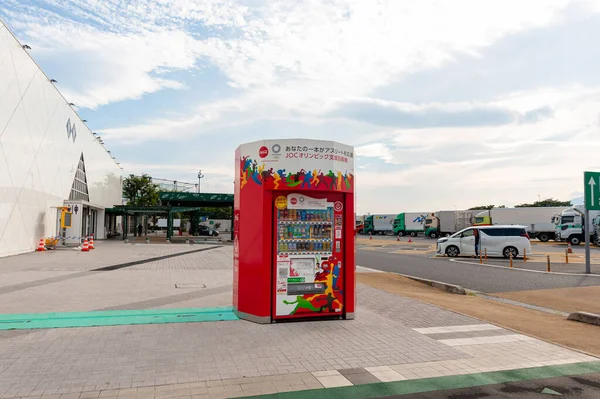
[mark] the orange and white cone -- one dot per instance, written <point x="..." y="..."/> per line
<point x="570" y="249"/>
<point x="398" y="239"/>
<point x="409" y="239"/>
<point x="91" y="245"/>
<point x="41" y="247"/>
<point x="86" y="247"/>
<point x="370" y="236"/>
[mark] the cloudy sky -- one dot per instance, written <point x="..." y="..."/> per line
<point x="449" y="104"/>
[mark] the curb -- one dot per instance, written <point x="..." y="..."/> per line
<point x="585" y="317"/>
<point x="451" y="288"/>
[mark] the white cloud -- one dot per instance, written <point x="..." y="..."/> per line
<point x="375" y="150"/>
<point x="300" y="60"/>
<point x="293" y="55"/>
<point x="113" y="50"/>
<point x="113" y="67"/>
<point x="508" y="164"/>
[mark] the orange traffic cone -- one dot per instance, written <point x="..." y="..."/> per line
<point x="91" y="246"/>
<point x="86" y="246"/>
<point x="409" y="239"/>
<point x="41" y="246"/>
<point x="370" y="236"/>
<point x="398" y="239"/>
<point x="569" y="249"/>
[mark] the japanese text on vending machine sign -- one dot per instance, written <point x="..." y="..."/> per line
<point x="329" y="153"/>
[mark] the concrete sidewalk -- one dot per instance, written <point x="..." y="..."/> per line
<point x="155" y="276"/>
<point x="393" y="338"/>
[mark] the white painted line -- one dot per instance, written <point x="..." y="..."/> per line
<point x="486" y="340"/>
<point x="362" y="269"/>
<point x="522" y="270"/>
<point x="452" y="329"/>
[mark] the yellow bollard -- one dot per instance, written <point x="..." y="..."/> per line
<point x="511" y="263"/>
<point x="548" y="270"/>
<point x="567" y="256"/>
<point x="524" y="255"/>
<point x="485" y="254"/>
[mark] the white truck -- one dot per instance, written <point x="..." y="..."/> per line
<point x="445" y="223"/>
<point x="570" y="225"/>
<point x="596" y="230"/>
<point x="379" y="224"/>
<point x="540" y="221"/>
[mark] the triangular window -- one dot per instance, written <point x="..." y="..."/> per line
<point x="79" y="190"/>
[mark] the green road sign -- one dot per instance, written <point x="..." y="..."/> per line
<point x="591" y="181"/>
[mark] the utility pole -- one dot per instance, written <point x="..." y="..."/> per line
<point x="200" y="176"/>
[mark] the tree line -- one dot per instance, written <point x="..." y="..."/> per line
<point x="537" y="204"/>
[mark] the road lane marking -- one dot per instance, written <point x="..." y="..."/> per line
<point x="522" y="270"/>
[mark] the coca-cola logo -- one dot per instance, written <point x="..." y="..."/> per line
<point x="293" y="201"/>
<point x="263" y="152"/>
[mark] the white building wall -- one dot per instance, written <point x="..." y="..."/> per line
<point x="38" y="160"/>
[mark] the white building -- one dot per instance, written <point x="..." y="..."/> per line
<point x="48" y="159"/>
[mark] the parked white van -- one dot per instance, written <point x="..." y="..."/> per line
<point x="498" y="240"/>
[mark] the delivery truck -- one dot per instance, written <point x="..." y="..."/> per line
<point x="445" y="223"/>
<point x="409" y="223"/>
<point x="360" y="224"/>
<point x="539" y="221"/>
<point x="379" y="224"/>
<point x="596" y="230"/>
<point x="570" y="225"/>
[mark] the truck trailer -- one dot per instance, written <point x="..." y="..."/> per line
<point x="539" y="221"/>
<point x="409" y="223"/>
<point x="379" y="224"/>
<point x="570" y="225"/>
<point x="445" y="223"/>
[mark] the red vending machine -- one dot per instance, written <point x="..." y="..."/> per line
<point x="294" y="255"/>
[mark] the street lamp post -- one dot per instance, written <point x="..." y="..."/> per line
<point x="200" y="176"/>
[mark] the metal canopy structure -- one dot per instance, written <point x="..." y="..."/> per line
<point x="196" y="199"/>
<point x="176" y="202"/>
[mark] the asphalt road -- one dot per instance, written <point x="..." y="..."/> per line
<point x="474" y="277"/>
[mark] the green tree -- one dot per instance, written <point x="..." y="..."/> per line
<point x="140" y="191"/>
<point x="217" y="212"/>
<point x="545" y="203"/>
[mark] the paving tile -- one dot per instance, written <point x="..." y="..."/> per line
<point x="334" y="381"/>
<point x="386" y="374"/>
<point x="391" y="332"/>
<point x="362" y="378"/>
<point x="347" y="372"/>
<point x="326" y="373"/>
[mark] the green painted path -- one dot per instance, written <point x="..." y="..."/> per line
<point x="383" y="389"/>
<point x="114" y="318"/>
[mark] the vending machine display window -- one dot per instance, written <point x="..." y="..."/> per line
<point x="304" y="232"/>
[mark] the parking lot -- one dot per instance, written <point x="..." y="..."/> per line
<point x="419" y="259"/>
